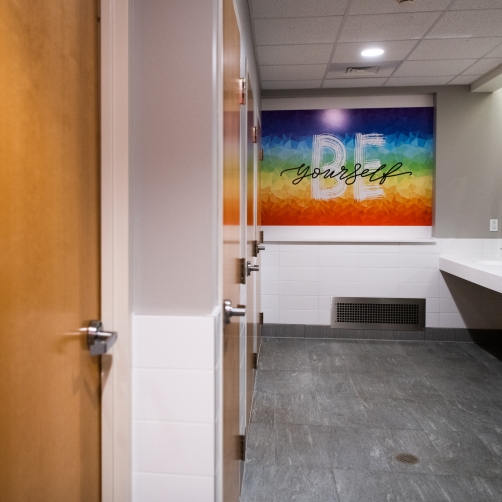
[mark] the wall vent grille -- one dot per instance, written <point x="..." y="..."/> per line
<point x="378" y="313"/>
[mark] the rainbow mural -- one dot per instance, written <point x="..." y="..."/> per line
<point x="341" y="167"/>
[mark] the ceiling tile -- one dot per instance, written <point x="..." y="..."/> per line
<point x="294" y="8"/>
<point x="386" y="68"/>
<point x="393" y="7"/>
<point x="352" y="51"/>
<point x="464" y="79"/>
<point x="387" y="27"/>
<point x="468" y="23"/>
<point x="354" y="82"/>
<point x="291" y="84"/>
<point x="407" y="81"/>
<point x="483" y="66"/>
<point x="476" y="4"/>
<point x="496" y="53"/>
<point x="310" y="30"/>
<point x="293" y="72"/>
<point x="433" y="68"/>
<point x="454" y="48"/>
<point x="294" y="54"/>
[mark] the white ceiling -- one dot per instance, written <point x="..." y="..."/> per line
<point x="302" y="44"/>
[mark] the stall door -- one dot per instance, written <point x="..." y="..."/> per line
<point x="49" y="251"/>
<point x="231" y="248"/>
<point x="251" y="313"/>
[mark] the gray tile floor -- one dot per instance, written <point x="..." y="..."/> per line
<point x="330" y="416"/>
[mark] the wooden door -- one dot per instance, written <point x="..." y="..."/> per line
<point x="258" y="149"/>
<point x="251" y="314"/>
<point x="231" y="248"/>
<point x="49" y="251"/>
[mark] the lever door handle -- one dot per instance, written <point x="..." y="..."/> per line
<point x="99" y="341"/>
<point x="252" y="268"/>
<point x="229" y="311"/>
<point x="257" y="248"/>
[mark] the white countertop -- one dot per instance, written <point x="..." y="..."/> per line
<point x="484" y="270"/>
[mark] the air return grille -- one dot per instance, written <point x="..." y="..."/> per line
<point x="378" y="313"/>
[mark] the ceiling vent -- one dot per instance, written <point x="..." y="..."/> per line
<point x="362" y="70"/>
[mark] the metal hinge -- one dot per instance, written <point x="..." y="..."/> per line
<point x="242" y="98"/>
<point x="255" y="134"/>
<point x="261" y="317"/>
<point x="255" y="360"/>
<point x="242" y="447"/>
<point x="243" y="270"/>
<point x="261" y="236"/>
<point x="262" y="155"/>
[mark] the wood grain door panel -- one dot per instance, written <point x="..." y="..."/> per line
<point x="251" y="313"/>
<point x="49" y="251"/>
<point x="231" y="249"/>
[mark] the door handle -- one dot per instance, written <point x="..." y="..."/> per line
<point x="257" y="248"/>
<point x="252" y="268"/>
<point x="229" y="311"/>
<point x="99" y="341"/>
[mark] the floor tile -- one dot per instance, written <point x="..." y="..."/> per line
<point x="263" y="408"/>
<point x="469" y="489"/>
<point x="390" y="414"/>
<point x="450" y="351"/>
<point x="265" y="381"/>
<point x="492" y="441"/>
<point x="375" y="385"/>
<point x="479" y="416"/>
<point x="436" y="415"/>
<point x="357" y="448"/>
<point x="301" y="408"/>
<point x="302" y="445"/>
<point x="361" y="486"/>
<point x="258" y="483"/>
<point x="334" y="383"/>
<point x="349" y="347"/>
<point x="291" y="355"/>
<point x="260" y="447"/>
<point x="466" y="454"/>
<point x="417" y="443"/>
<point x="384" y="348"/>
<point x="320" y="356"/>
<point x="402" y="365"/>
<point x="290" y="382"/>
<point x="414" y="387"/>
<point x="303" y="484"/>
<point x="342" y="410"/>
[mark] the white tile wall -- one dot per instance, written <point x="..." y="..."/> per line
<point x="150" y="487"/>
<point x="299" y="280"/>
<point x="175" y="407"/>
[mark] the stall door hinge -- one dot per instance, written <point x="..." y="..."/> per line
<point x="261" y="236"/>
<point x="255" y="360"/>
<point x="242" y="447"/>
<point x="242" y="96"/>
<point x="262" y="155"/>
<point x="243" y="270"/>
<point x="261" y="317"/>
<point x="255" y="134"/>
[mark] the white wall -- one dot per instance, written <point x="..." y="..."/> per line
<point x="299" y="280"/>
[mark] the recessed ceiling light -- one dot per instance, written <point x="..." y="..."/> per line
<point x="371" y="53"/>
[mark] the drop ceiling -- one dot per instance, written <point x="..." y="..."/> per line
<point x="309" y="44"/>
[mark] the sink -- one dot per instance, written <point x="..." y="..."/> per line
<point x="488" y="262"/>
